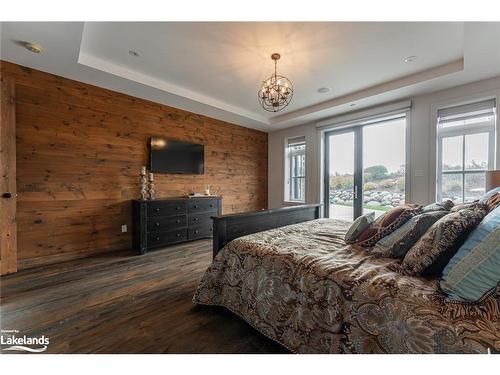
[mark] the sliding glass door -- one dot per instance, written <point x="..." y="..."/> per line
<point x="365" y="168"/>
<point x="384" y="164"/>
<point x="342" y="182"/>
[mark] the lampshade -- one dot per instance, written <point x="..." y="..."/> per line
<point x="492" y="179"/>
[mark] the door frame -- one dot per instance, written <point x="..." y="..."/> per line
<point x="358" y="169"/>
<point x="358" y="159"/>
<point x="8" y="226"/>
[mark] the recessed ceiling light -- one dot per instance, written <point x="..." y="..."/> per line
<point x="409" y="59"/>
<point x="133" y="53"/>
<point x="33" y="47"/>
<point x="324" y="90"/>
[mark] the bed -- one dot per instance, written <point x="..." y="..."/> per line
<point x="303" y="287"/>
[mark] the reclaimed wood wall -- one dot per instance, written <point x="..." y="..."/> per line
<point x="8" y="229"/>
<point x="79" y="152"/>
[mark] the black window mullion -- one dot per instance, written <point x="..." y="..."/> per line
<point x="358" y="172"/>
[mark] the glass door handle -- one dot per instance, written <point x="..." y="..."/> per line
<point x="355" y="191"/>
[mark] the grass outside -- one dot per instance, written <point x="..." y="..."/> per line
<point x="368" y="207"/>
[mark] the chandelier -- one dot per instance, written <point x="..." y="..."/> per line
<point x="277" y="91"/>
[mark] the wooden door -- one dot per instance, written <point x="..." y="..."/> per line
<point x="8" y="228"/>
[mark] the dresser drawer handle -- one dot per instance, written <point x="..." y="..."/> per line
<point x="177" y="221"/>
<point x="157" y="210"/>
<point x="177" y="208"/>
<point x="178" y="234"/>
<point x="196" y="231"/>
<point x="211" y="204"/>
<point x="211" y="229"/>
<point x="157" y="238"/>
<point x="195" y="206"/>
<point x="157" y="224"/>
<point x="195" y="219"/>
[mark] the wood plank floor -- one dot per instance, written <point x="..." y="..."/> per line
<point x="122" y="303"/>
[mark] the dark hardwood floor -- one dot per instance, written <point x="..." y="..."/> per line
<point x="121" y="303"/>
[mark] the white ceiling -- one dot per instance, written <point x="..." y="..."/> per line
<point x="216" y="68"/>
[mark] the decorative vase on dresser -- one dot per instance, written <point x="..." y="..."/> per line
<point x="163" y="222"/>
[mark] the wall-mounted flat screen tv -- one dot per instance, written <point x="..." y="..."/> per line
<point x="171" y="156"/>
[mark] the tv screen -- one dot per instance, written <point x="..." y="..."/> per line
<point x="170" y="156"/>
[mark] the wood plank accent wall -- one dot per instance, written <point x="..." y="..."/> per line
<point x="79" y="152"/>
<point x="8" y="231"/>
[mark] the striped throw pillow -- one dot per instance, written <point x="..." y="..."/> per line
<point x="475" y="268"/>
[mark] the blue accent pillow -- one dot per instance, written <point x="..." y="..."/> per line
<point x="358" y="227"/>
<point x="439" y="206"/>
<point x="397" y="244"/>
<point x="475" y="268"/>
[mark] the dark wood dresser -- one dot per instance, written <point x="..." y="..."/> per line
<point x="163" y="222"/>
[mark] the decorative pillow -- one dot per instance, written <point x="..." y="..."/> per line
<point x="388" y="223"/>
<point x="443" y="206"/>
<point x="462" y="206"/>
<point x="397" y="244"/>
<point x="493" y="202"/>
<point x="489" y="194"/>
<point x="358" y="226"/>
<point x="475" y="268"/>
<point x="436" y="247"/>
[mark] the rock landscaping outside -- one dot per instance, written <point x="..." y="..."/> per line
<point x="375" y="199"/>
<point x="381" y="190"/>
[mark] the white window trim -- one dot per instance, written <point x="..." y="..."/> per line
<point x="288" y="173"/>
<point x="433" y="134"/>
<point x="486" y="127"/>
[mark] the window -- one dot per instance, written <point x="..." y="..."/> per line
<point x="296" y="169"/>
<point x="466" y="149"/>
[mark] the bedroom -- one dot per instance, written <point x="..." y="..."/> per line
<point x="249" y="187"/>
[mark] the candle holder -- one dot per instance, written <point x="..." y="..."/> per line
<point x="151" y="186"/>
<point x="144" y="184"/>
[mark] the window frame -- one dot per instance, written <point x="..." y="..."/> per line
<point x="463" y="131"/>
<point x="289" y="154"/>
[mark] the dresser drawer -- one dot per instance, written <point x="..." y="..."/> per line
<point x="200" y="232"/>
<point x="202" y="205"/>
<point x="162" y="224"/>
<point x="165" y="238"/>
<point x="202" y="218"/>
<point x="166" y="208"/>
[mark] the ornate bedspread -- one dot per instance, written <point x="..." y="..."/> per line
<point x="302" y="286"/>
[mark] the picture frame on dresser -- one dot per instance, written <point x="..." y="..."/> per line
<point x="163" y="222"/>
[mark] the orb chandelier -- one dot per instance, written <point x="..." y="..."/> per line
<point x="276" y="91"/>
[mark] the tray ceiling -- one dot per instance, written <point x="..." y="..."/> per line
<point x="216" y="68"/>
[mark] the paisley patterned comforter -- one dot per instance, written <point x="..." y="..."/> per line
<point x="303" y="287"/>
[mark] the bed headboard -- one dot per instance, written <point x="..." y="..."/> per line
<point x="228" y="227"/>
